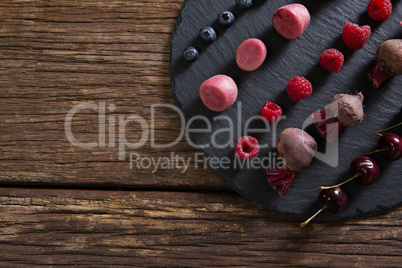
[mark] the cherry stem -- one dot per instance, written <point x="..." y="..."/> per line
<point x="342" y="183"/>
<point x="376" y="151"/>
<point x="397" y="125"/>
<point x="312" y="217"/>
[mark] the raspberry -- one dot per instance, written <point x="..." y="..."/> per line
<point x="299" y="88"/>
<point x="331" y="60"/>
<point x="355" y="36"/>
<point x="247" y="147"/>
<point x="271" y="112"/>
<point x="379" y="9"/>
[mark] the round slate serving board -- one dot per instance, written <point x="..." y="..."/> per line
<point x="286" y="59"/>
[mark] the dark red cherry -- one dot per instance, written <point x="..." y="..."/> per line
<point x="391" y="144"/>
<point x="366" y="169"/>
<point x="333" y="199"/>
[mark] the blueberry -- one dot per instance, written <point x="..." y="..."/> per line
<point x="244" y="4"/>
<point x="226" y="18"/>
<point x="191" y="54"/>
<point x="207" y="34"/>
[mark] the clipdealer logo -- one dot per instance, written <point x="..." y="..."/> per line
<point x="112" y="133"/>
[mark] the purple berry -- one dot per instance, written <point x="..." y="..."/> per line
<point x="191" y="54"/>
<point x="226" y="18"/>
<point x="391" y="144"/>
<point x="207" y="34"/>
<point x="244" y="4"/>
<point x="333" y="199"/>
<point x="366" y="169"/>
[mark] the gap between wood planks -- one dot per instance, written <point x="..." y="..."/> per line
<point x="123" y="189"/>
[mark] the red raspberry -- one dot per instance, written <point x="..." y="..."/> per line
<point x="331" y="60"/>
<point x="355" y="36"/>
<point x="299" y="88"/>
<point x="247" y="147"/>
<point x="271" y="112"/>
<point x="379" y="9"/>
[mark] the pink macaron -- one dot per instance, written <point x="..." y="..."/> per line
<point x="251" y="54"/>
<point x="218" y="92"/>
<point x="291" y="20"/>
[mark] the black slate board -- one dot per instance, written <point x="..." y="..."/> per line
<point x="286" y="59"/>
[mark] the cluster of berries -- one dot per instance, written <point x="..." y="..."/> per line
<point x="208" y="34"/>
<point x="355" y="36"/>
<point x="365" y="171"/>
<point x="298" y="88"/>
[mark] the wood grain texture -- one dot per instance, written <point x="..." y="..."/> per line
<point x="56" y="55"/>
<point x="176" y="229"/>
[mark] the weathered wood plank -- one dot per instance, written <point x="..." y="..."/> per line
<point x="54" y="227"/>
<point x="59" y="54"/>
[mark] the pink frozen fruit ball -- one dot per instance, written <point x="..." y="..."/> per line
<point x="251" y="54"/>
<point x="218" y="92"/>
<point x="290" y="21"/>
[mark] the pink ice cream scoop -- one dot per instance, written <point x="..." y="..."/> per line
<point x="290" y="21"/>
<point x="251" y="54"/>
<point x="218" y="92"/>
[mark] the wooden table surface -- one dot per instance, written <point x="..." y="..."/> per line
<point x="62" y="204"/>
